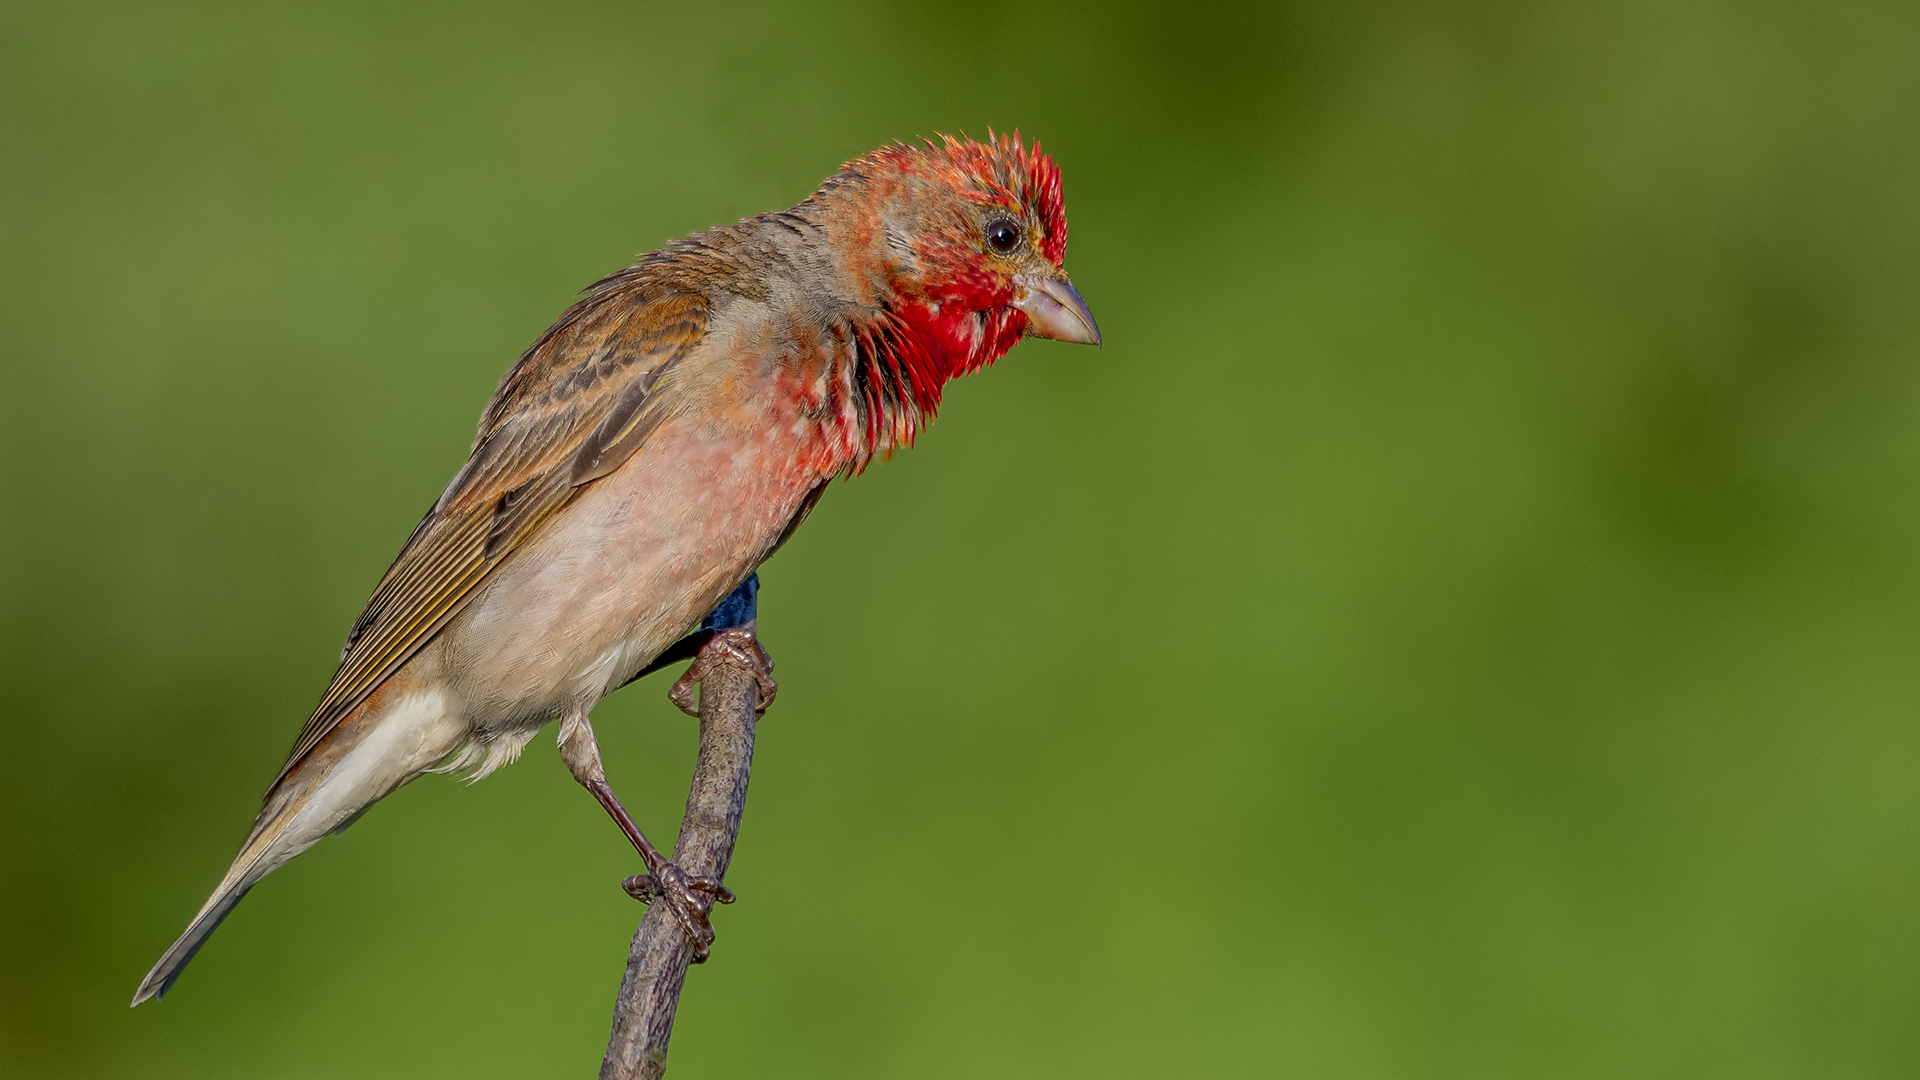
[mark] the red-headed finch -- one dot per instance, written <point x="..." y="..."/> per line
<point x="644" y="456"/>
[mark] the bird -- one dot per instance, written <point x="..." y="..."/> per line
<point x="643" y="457"/>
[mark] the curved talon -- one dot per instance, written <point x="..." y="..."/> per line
<point x="679" y="888"/>
<point x="687" y="908"/>
<point x="644" y="887"/>
<point x="736" y="646"/>
<point x="681" y="692"/>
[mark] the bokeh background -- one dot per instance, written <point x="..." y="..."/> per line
<point x="1463" y="624"/>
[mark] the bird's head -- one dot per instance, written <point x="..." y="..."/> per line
<point x="963" y="243"/>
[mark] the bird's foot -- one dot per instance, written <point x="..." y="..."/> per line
<point x="687" y="896"/>
<point x="736" y="646"/>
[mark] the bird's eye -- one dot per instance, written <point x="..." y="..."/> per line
<point x="1003" y="235"/>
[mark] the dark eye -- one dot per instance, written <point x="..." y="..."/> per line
<point x="1003" y="235"/>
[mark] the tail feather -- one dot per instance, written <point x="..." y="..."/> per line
<point x="326" y="795"/>
<point x="175" y="960"/>
<point x="266" y="850"/>
<point x="281" y="833"/>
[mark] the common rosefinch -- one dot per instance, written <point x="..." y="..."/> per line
<point x="644" y="456"/>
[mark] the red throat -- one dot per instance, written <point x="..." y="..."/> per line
<point x="953" y="317"/>
<point x="902" y="363"/>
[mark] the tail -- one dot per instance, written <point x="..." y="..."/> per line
<point x="264" y="852"/>
<point x="368" y="758"/>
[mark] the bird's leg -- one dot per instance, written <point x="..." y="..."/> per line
<point x="735" y="646"/>
<point x="687" y="896"/>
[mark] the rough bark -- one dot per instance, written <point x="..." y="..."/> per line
<point x="658" y="958"/>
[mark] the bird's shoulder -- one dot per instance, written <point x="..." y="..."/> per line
<point x="577" y="404"/>
<point x="576" y="390"/>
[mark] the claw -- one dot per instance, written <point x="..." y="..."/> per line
<point x="737" y="646"/>
<point x="681" y="692"/>
<point x="679" y="889"/>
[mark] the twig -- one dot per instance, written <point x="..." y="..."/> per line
<point x="657" y="961"/>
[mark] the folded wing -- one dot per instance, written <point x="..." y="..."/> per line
<point x="578" y="404"/>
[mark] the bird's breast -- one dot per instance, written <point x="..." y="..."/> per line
<point x="639" y="555"/>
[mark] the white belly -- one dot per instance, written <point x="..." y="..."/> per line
<point x="624" y="571"/>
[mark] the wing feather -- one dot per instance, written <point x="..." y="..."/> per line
<point x="577" y="405"/>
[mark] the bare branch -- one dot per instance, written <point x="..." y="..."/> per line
<point x="657" y="961"/>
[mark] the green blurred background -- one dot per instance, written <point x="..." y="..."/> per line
<point x="1461" y="625"/>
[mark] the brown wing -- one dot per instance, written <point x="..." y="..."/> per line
<point x="578" y="403"/>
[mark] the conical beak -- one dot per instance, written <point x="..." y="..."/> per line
<point x="1054" y="310"/>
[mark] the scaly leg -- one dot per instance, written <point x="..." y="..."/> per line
<point x="688" y="897"/>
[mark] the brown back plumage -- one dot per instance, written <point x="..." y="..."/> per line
<point x="578" y="403"/>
